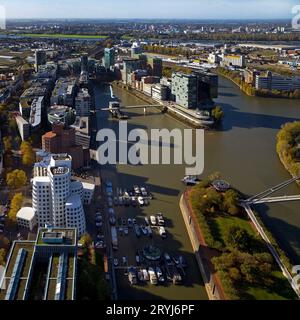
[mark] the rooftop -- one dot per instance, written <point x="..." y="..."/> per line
<point x="26" y="213"/>
<point x="61" y="236"/>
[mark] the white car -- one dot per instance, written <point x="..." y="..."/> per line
<point x="145" y="274"/>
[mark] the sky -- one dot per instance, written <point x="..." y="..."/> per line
<point x="179" y="9"/>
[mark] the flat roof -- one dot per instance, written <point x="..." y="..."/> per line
<point x="70" y="236"/>
<point x="88" y="186"/>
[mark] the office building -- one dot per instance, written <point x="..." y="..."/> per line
<point x="271" y="81"/>
<point x="184" y="90"/>
<point x="136" y="49"/>
<point x="26" y="218"/>
<point x="83" y="103"/>
<point x="208" y="84"/>
<point x="234" y="60"/>
<point x="62" y="139"/>
<point x="84" y="63"/>
<point x="56" y="199"/>
<point x="160" y="92"/>
<point x="51" y="257"/>
<point x="82" y="132"/>
<point x="156" y="66"/>
<point x="40" y="59"/>
<point x="109" y="57"/>
<point x="23" y="127"/>
<point x="64" y="92"/>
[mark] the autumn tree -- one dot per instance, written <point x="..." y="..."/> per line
<point x="28" y="155"/>
<point x="15" y="206"/>
<point x="16" y="179"/>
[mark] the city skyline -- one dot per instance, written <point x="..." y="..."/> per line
<point x="190" y="9"/>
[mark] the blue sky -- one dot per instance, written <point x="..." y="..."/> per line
<point x="195" y="9"/>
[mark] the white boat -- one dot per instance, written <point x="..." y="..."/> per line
<point x="144" y="192"/>
<point x="145" y="274"/>
<point x="153" y="220"/>
<point x="190" y="180"/>
<point x="141" y="201"/>
<point x="144" y="230"/>
<point x="159" y="275"/>
<point x="162" y="232"/>
<point x="152" y="276"/>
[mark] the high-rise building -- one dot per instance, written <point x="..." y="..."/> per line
<point x="109" y="57"/>
<point x="84" y="63"/>
<point x="156" y="66"/>
<point x="184" y="89"/>
<point x="83" y="103"/>
<point x="40" y="59"/>
<point x="56" y="199"/>
<point x="208" y="84"/>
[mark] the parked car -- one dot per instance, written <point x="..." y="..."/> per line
<point x="130" y="223"/>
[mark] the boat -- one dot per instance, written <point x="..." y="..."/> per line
<point x="132" y="276"/>
<point x="144" y="191"/>
<point x="162" y="232"/>
<point x="153" y="220"/>
<point x="137" y="190"/>
<point x="145" y="275"/>
<point x="130" y="223"/>
<point x="137" y="259"/>
<point x="177" y="279"/>
<point x="168" y="259"/>
<point x="140" y="275"/>
<point x="141" y="201"/>
<point x="116" y="201"/>
<point x="152" y="276"/>
<point x="144" y="230"/>
<point x="147" y="221"/>
<point x="116" y="262"/>
<point x="137" y="230"/>
<point x="160" y="219"/>
<point x="127" y="201"/>
<point x="159" y="274"/>
<point x="133" y="201"/>
<point x="190" y="180"/>
<point x="150" y="233"/>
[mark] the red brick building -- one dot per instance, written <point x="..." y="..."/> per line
<point x="62" y="140"/>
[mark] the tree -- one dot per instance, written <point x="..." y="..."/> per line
<point x="218" y="113"/>
<point x="237" y="238"/>
<point x="86" y="240"/>
<point x="7" y="144"/>
<point x="230" y="202"/>
<point x="28" y="155"/>
<point x="15" y="206"/>
<point x="16" y="179"/>
<point x="2" y="256"/>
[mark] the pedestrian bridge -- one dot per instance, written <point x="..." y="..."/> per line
<point x="144" y="106"/>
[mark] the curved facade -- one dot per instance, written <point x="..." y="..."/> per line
<point x="60" y="190"/>
<point x="75" y="214"/>
<point x="41" y="200"/>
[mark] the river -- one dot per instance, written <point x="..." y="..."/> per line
<point x="243" y="152"/>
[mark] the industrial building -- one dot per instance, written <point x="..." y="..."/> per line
<point x="51" y="257"/>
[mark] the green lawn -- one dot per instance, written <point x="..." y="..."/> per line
<point x="221" y="223"/>
<point x="62" y="36"/>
